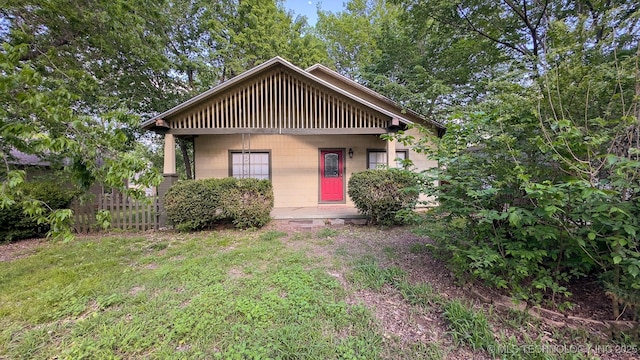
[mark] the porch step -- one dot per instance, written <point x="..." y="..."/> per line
<point x="317" y="213"/>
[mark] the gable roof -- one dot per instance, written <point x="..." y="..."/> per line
<point x="341" y="79"/>
<point x="17" y="157"/>
<point x="399" y="112"/>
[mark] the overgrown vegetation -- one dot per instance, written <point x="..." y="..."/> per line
<point x="380" y="194"/>
<point x="23" y="219"/>
<point x="200" y="204"/>
<point x="540" y="165"/>
<point x="78" y="79"/>
<point x="536" y="194"/>
<point x="481" y="330"/>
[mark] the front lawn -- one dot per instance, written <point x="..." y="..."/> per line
<point x="217" y="294"/>
<point x="278" y="293"/>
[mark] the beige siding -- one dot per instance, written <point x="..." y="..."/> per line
<point x="294" y="160"/>
<point x="421" y="162"/>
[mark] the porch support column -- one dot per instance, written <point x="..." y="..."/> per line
<point x="169" y="174"/>
<point x="169" y="154"/>
<point x="391" y="153"/>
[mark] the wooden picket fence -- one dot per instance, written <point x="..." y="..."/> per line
<point x="126" y="213"/>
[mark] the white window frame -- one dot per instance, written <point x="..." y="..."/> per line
<point x="382" y="154"/>
<point x="256" y="164"/>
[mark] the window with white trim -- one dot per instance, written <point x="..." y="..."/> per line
<point x="378" y="158"/>
<point x="250" y="165"/>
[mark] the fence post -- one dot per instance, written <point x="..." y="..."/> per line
<point x="167" y="182"/>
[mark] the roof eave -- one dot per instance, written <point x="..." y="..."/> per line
<point x="150" y="124"/>
<point x="373" y="93"/>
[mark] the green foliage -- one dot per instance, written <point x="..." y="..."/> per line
<point x="380" y="194"/>
<point x="103" y="219"/>
<point x="193" y="204"/>
<point x="468" y="327"/>
<point x="77" y="78"/>
<point x="272" y="235"/>
<point x="73" y="86"/>
<point x="538" y="179"/>
<point x="248" y="202"/>
<point x="351" y="35"/>
<point x="238" y="35"/>
<point x="198" y="204"/>
<point x="40" y="204"/>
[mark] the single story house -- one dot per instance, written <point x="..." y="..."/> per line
<point x="305" y="130"/>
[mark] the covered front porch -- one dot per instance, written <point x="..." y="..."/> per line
<point x="305" y="131"/>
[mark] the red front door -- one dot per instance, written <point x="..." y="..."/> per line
<point x="331" y="175"/>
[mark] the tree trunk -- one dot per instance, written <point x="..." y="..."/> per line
<point x="185" y="156"/>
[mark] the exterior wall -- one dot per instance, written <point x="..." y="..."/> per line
<point x="294" y="161"/>
<point x="421" y="162"/>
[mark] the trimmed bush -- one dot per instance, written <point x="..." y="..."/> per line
<point x="200" y="204"/>
<point x="379" y="194"/>
<point x="16" y="225"/>
<point x="248" y="203"/>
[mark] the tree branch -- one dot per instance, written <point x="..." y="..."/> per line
<point x="37" y="52"/>
<point x="473" y="28"/>
<point x="523" y="16"/>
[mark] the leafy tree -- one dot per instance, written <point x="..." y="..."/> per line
<point x="542" y="186"/>
<point x="76" y="79"/>
<point x="411" y="58"/>
<point x="233" y="36"/>
<point x="351" y="35"/>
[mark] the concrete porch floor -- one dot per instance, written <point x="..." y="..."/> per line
<point x="316" y="212"/>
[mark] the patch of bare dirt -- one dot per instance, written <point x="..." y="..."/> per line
<point x="409" y="324"/>
<point x="20" y="249"/>
<point x="136" y="289"/>
<point x="236" y="273"/>
<point x="398" y="319"/>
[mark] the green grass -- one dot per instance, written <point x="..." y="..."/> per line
<point x="272" y="235"/>
<point x="237" y="295"/>
<point x="326" y="233"/>
<point x="468" y="327"/>
<point x="229" y="295"/>
<point x="367" y="274"/>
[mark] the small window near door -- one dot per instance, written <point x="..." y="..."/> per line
<point x="255" y="165"/>
<point x="331" y="165"/>
<point x="378" y="158"/>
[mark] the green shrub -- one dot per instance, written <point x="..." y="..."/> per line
<point x="192" y="205"/>
<point x="380" y="194"/>
<point x="198" y="204"/>
<point x="248" y="202"/>
<point x="16" y="225"/>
